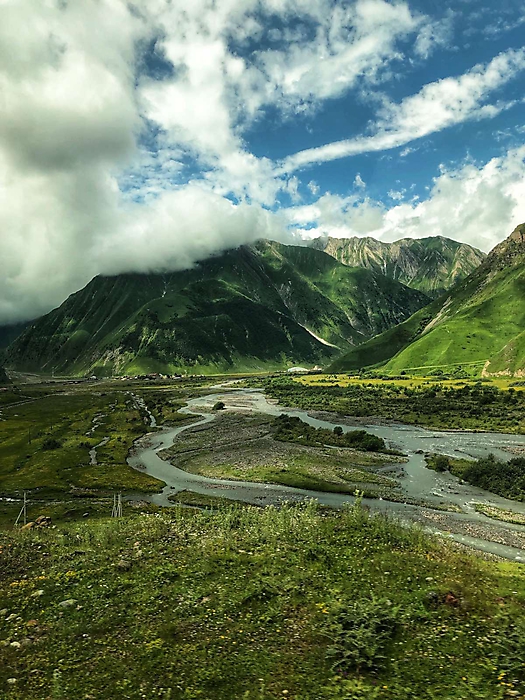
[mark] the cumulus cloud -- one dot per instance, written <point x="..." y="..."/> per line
<point x="69" y="124"/>
<point x="333" y="215"/>
<point x="437" y="106"/>
<point x="476" y="204"/>
<point x="189" y="224"/>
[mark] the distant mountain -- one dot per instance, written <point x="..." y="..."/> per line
<point x="257" y="307"/>
<point x="432" y="265"/>
<point x="8" y="333"/>
<point x="480" y="324"/>
<point x="4" y="379"/>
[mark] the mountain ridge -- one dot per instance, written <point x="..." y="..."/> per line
<point x="263" y="306"/>
<point x="433" y="264"/>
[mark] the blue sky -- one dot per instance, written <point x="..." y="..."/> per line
<point x="145" y="136"/>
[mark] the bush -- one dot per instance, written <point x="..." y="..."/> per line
<point x="361" y="632"/>
<point x="51" y="444"/>
<point x="219" y="406"/>
<point x="441" y="463"/>
<point x="293" y="429"/>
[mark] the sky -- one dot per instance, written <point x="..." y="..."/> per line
<point x="144" y="135"/>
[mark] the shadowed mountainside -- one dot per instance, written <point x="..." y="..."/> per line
<point x="256" y="307"/>
<point x="4" y="379"/>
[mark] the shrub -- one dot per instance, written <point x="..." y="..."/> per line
<point x="441" y="463"/>
<point x="51" y="444"/>
<point x="360" y="633"/>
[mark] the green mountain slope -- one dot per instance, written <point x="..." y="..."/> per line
<point x="479" y="324"/>
<point x="432" y="265"/>
<point x="257" y="307"/>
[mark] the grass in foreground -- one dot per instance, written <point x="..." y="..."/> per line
<point x="255" y="604"/>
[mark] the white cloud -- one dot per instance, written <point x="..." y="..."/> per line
<point x="351" y="42"/>
<point x="434" y="35"/>
<point x="436" y="107"/>
<point x="68" y="129"/>
<point x="476" y="204"/>
<point x="337" y="216"/>
<point x="479" y="205"/>
<point x="313" y="187"/>
<point x="181" y="227"/>
<point x="323" y="51"/>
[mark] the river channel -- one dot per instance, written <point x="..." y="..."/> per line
<point x="468" y="526"/>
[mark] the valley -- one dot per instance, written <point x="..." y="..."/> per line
<point x="222" y="587"/>
<point x="262" y="350"/>
<point x="255" y="308"/>
<point x="76" y="444"/>
<point x="477" y="328"/>
<point x="169" y="462"/>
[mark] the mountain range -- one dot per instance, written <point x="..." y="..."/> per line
<point x="479" y="325"/>
<point x="264" y="306"/>
<point x="433" y="265"/>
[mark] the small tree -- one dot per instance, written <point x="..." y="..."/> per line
<point x="219" y="406"/>
<point x="338" y="430"/>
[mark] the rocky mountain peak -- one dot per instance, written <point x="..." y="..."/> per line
<point x="511" y="251"/>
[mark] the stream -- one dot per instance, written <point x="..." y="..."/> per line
<point x="467" y="527"/>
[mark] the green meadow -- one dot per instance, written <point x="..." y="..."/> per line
<point x="255" y="604"/>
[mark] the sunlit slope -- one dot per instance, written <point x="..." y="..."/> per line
<point x="433" y="265"/>
<point x="511" y="359"/>
<point x="258" y="307"/>
<point x="481" y="322"/>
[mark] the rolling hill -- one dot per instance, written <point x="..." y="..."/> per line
<point x="264" y="306"/>
<point x="479" y="325"/>
<point x="433" y="265"/>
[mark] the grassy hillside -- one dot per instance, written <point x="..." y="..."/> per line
<point x="479" y="324"/>
<point x="382" y="347"/>
<point x="255" y="604"/>
<point x="261" y="307"/>
<point x="432" y="265"/>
